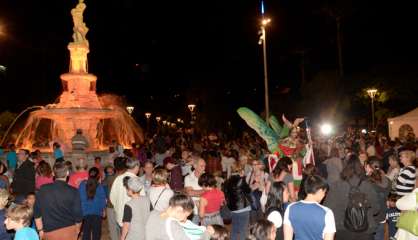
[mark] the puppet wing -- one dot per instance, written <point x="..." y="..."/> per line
<point x="260" y="126"/>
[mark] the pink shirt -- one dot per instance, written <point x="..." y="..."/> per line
<point x="77" y="177"/>
<point x="42" y="180"/>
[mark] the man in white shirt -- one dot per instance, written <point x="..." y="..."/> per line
<point x="118" y="194"/>
<point x="191" y="185"/>
<point x="227" y="161"/>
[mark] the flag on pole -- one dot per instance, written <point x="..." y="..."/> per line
<point x="309" y="156"/>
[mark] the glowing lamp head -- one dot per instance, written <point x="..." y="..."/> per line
<point x="179" y="120"/>
<point x="191" y="107"/>
<point x="147" y="115"/>
<point x="326" y="129"/>
<point x="364" y="131"/>
<point x="265" y="21"/>
<point x="130" y="109"/>
<point x="372" y="92"/>
<point x="164" y="122"/>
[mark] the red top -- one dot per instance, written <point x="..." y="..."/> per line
<point x="42" y="180"/>
<point x="215" y="198"/>
<point x="77" y="177"/>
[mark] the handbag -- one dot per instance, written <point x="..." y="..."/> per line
<point x="255" y="200"/>
<point x="408" y="220"/>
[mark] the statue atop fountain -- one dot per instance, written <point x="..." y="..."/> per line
<point x="80" y="47"/>
<point x="79" y="106"/>
<point x="79" y="86"/>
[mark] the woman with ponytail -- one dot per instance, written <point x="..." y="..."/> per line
<point x="93" y="202"/>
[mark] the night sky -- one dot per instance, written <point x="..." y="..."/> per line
<point x="162" y="55"/>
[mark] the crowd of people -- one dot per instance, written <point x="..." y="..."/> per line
<point x="191" y="186"/>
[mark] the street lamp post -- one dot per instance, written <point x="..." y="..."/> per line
<point x="147" y="115"/>
<point x="263" y="41"/>
<point x="372" y="94"/>
<point x="192" y="108"/>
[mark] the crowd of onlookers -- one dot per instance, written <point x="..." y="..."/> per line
<point x="181" y="186"/>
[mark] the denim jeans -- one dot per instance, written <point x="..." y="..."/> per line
<point x="380" y="232"/>
<point x="92" y="227"/>
<point x="240" y="225"/>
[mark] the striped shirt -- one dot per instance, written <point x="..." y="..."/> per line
<point x="405" y="183"/>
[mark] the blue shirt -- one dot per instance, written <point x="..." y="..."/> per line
<point x="58" y="153"/>
<point x="26" y="233"/>
<point x="309" y="220"/>
<point x="11" y="160"/>
<point x="4" y="235"/>
<point x="392" y="215"/>
<point x="93" y="206"/>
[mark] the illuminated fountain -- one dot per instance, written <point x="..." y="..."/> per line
<point x="79" y="107"/>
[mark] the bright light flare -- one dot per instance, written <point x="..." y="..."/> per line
<point x="364" y="131"/>
<point x="326" y="129"/>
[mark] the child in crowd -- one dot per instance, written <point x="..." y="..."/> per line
<point x="30" y="201"/>
<point x="109" y="171"/>
<point x="136" y="211"/>
<point x="98" y="165"/>
<point x="4" y="199"/>
<point x="58" y="154"/>
<point x="19" y="219"/>
<point x="392" y="215"/>
<point x="219" y="233"/>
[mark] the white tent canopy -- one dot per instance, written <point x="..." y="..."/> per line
<point x="406" y="121"/>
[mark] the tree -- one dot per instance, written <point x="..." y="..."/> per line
<point x="6" y="118"/>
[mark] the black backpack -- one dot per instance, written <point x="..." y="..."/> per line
<point x="355" y="219"/>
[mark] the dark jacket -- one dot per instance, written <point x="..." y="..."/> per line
<point x="382" y="189"/>
<point x="337" y="200"/>
<point x="24" y="179"/>
<point x="59" y="206"/>
<point x="237" y="193"/>
<point x="176" y="179"/>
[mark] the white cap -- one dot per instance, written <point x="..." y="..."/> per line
<point x="275" y="218"/>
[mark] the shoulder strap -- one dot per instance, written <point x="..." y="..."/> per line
<point x="159" y="196"/>
<point x="359" y="183"/>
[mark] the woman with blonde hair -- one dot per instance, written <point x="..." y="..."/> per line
<point x="160" y="191"/>
<point x="405" y="183"/>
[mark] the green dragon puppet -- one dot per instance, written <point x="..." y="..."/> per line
<point x="281" y="140"/>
